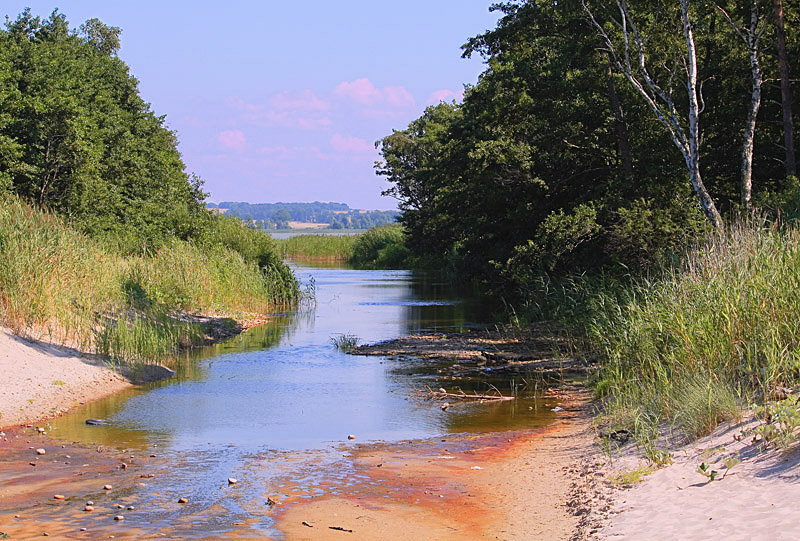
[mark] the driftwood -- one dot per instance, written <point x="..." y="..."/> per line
<point x="441" y="394"/>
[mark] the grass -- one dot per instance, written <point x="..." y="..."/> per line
<point x="345" y="342"/>
<point x="319" y="248"/>
<point x="712" y="335"/>
<point x="57" y="282"/>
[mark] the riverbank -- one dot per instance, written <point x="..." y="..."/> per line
<point x="507" y="485"/>
<point x="39" y="381"/>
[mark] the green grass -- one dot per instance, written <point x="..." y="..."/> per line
<point x="345" y="342"/>
<point x="320" y="248"/>
<point x="57" y="282"/>
<point x="712" y="335"/>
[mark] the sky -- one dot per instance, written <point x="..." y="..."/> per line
<point x="282" y="101"/>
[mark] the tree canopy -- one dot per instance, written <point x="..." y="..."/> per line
<point x="76" y="137"/>
<point x="555" y="163"/>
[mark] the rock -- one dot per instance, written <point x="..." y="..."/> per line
<point x="304" y="523"/>
<point x="40" y="430"/>
<point x="40" y="451"/>
<point x="96" y="422"/>
<point x="183" y="500"/>
<point x="89" y="503"/>
<point x="351" y="437"/>
<point x="88" y="508"/>
<point x="232" y="481"/>
<point x="119" y="517"/>
<point x="107" y="487"/>
<point x="58" y="497"/>
<point x="131" y="508"/>
<point x="83" y="529"/>
<point x="123" y="466"/>
<point x="119" y="506"/>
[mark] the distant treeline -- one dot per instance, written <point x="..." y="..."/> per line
<point x="278" y="215"/>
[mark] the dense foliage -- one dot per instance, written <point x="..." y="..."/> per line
<point x="76" y="137"/>
<point x="554" y="164"/>
<point x="104" y="238"/>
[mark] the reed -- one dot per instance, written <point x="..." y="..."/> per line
<point x="320" y="248"/>
<point x="713" y="334"/>
<point x="60" y="284"/>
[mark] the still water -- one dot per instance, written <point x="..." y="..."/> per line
<point x="284" y="386"/>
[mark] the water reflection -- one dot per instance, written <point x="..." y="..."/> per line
<point x="283" y="385"/>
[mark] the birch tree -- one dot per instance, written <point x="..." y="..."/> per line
<point x="751" y="36"/>
<point x="632" y="57"/>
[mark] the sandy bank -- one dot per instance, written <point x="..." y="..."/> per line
<point x="39" y="381"/>
<point x="756" y="500"/>
<point x="495" y="486"/>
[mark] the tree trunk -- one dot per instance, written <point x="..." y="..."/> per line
<point x="620" y="126"/>
<point x="692" y="153"/>
<point x="786" y="91"/>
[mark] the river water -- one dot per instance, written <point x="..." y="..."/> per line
<point x="249" y="407"/>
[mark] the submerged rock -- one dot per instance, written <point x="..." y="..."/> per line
<point x="97" y="422"/>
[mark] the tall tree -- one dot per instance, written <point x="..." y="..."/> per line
<point x="786" y="90"/>
<point x="632" y="59"/>
<point x="751" y="35"/>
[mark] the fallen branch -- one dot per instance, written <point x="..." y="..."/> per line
<point x="441" y="394"/>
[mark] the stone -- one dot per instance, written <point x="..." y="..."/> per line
<point x="89" y="503"/>
<point x="119" y="517"/>
<point x="58" y="497"/>
<point x="119" y="506"/>
<point x="183" y="500"/>
<point x="232" y="481"/>
<point x="107" y="487"/>
<point x="131" y="508"/>
<point x="41" y="451"/>
<point x="351" y="437"/>
<point x="88" y="508"/>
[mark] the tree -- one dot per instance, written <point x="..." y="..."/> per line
<point x="786" y="90"/>
<point x="751" y="36"/>
<point x="632" y="59"/>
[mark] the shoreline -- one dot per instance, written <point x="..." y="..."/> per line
<point x="40" y="381"/>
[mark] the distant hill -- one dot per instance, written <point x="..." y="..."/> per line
<point x="334" y="215"/>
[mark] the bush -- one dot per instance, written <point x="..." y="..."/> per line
<point x="381" y="247"/>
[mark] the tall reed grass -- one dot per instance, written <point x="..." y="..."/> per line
<point x="318" y="248"/>
<point x="713" y="334"/>
<point x="58" y="283"/>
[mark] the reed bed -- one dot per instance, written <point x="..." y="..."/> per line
<point x="60" y="284"/>
<point x="319" y="248"/>
<point x="713" y="335"/>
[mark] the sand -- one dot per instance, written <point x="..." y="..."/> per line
<point x="756" y="500"/>
<point x="503" y="486"/>
<point x="39" y="381"/>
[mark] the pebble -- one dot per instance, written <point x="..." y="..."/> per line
<point x="89" y="503"/>
<point x="119" y="506"/>
<point x="119" y="517"/>
<point x="83" y="529"/>
<point x="17" y="516"/>
<point x="232" y="481"/>
<point x="351" y="437"/>
<point x="183" y="500"/>
<point x="131" y="508"/>
<point x="58" y="497"/>
<point x="107" y="487"/>
<point x="40" y="451"/>
<point x="88" y="508"/>
<point x="41" y="430"/>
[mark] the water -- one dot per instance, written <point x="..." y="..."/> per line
<point x="284" y="386"/>
<point x="274" y="407"/>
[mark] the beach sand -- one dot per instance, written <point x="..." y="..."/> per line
<point x="39" y="381"/>
<point x="756" y="500"/>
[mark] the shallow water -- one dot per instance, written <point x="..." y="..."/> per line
<point x="274" y="408"/>
<point x="284" y="386"/>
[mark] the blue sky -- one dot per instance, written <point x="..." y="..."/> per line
<point x="275" y="101"/>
